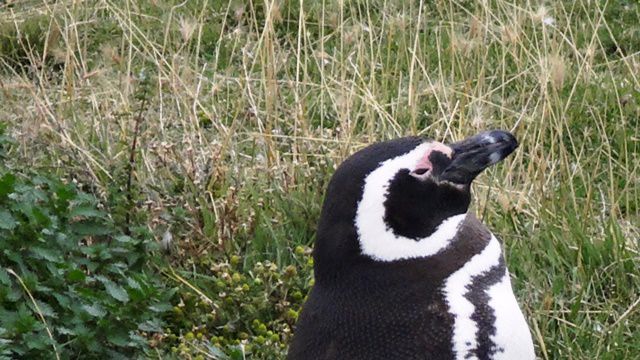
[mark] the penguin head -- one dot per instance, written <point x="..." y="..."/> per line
<point x="402" y="198"/>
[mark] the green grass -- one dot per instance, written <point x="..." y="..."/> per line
<point x="250" y="106"/>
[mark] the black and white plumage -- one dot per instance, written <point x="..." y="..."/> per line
<point x="402" y="270"/>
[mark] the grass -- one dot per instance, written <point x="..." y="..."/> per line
<point x="249" y="107"/>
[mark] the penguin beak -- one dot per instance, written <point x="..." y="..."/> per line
<point x="472" y="155"/>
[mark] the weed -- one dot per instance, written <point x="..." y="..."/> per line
<point x="72" y="283"/>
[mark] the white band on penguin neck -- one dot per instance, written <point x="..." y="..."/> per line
<point x="376" y="239"/>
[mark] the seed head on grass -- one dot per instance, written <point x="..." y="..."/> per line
<point x="187" y="28"/>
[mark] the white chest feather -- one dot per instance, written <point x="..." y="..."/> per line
<point x="511" y="339"/>
<point x="512" y="332"/>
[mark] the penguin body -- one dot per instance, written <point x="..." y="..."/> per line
<point x="402" y="270"/>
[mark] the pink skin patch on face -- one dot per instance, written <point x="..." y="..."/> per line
<point x="425" y="163"/>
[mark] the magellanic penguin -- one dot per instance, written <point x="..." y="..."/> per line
<point x="402" y="270"/>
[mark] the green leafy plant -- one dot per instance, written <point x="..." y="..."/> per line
<point x="71" y="284"/>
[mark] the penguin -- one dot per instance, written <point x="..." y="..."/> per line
<point x="402" y="269"/>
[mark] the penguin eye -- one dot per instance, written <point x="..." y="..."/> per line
<point x="420" y="173"/>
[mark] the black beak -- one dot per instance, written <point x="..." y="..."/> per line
<point x="472" y="155"/>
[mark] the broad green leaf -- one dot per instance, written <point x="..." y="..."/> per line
<point x="25" y="208"/>
<point x="216" y="352"/>
<point x="116" y="291"/>
<point x="237" y="353"/>
<point x="46" y="309"/>
<point x="65" y="193"/>
<point x="49" y="254"/>
<point x="25" y="321"/>
<point x="151" y="326"/>
<point x="136" y="339"/>
<point x="65" y="331"/>
<point x="160" y="308"/>
<point x="37" y="341"/>
<point x="7" y="184"/>
<point x="90" y="228"/>
<point x="76" y="275"/>
<point x="4" y="277"/>
<point x="94" y="310"/>
<point x="125" y="239"/>
<point x="86" y="212"/>
<point x="118" y="337"/>
<point x="14" y="295"/>
<point x="42" y="218"/>
<point x="63" y="299"/>
<point x="7" y="221"/>
<point x="132" y="283"/>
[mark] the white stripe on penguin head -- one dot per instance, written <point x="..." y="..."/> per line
<point x="376" y="239"/>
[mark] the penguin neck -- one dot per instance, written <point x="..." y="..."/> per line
<point x="350" y="266"/>
<point x="383" y="244"/>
